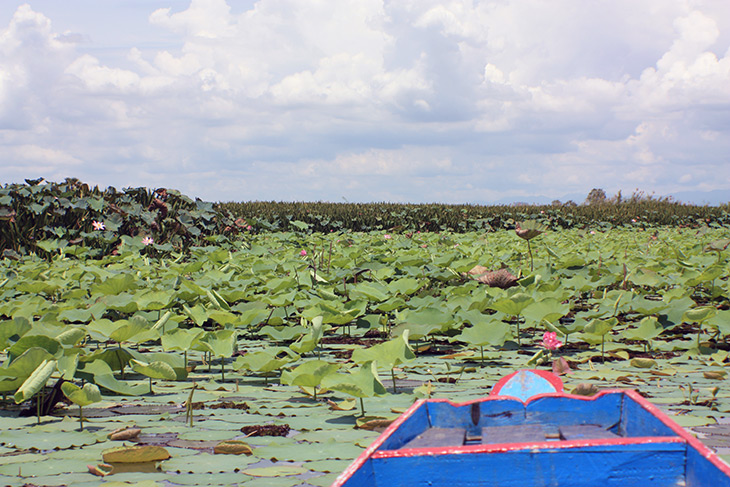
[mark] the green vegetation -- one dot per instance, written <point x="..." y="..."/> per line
<point x="298" y="320"/>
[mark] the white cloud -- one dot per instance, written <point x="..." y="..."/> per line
<point x="464" y="99"/>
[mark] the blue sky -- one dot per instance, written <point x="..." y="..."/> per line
<point x="365" y="100"/>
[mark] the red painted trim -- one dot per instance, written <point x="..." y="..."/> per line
<point x="370" y="450"/>
<point x="553" y="379"/>
<point x="538" y="445"/>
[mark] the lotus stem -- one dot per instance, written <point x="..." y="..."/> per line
<point x="529" y="251"/>
<point x="39" y="400"/>
<point x="362" y="407"/>
<point x="392" y="375"/>
<point x="81" y="418"/>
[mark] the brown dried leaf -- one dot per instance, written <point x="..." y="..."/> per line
<point x="561" y="366"/>
<point x="585" y="389"/>
<point x="232" y="447"/>
<point x="714" y="374"/>
<point x="135" y="454"/>
<point x="477" y="270"/>
<point x="501" y="278"/>
<point x="374" y="424"/>
<point x="346" y="405"/>
<point x="123" y="434"/>
<point x="101" y="469"/>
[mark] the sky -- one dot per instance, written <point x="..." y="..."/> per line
<point x="370" y="100"/>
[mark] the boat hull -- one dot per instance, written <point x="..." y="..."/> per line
<point x="615" y="438"/>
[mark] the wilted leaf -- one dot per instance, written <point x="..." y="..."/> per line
<point x="369" y="423"/>
<point x="643" y="363"/>
<point x="585" y="389"/>
<point x="346" y="405"/>
<point x="561" y="366"/>
<point x="101" y="469"/>
<point x="135" y="454"/>
<point x="714" y="374"/>
<point x="123" y="434"/>
<point x="232" y="447"/>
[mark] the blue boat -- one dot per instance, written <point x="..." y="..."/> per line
<point x="529" y="432"/>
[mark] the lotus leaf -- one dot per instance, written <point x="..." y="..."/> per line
<point x="309" y="374"/>
<point x="26" y="342"/>
<point x="14" y="374"/>
<point x="364" y="382"/>
<point x="389" y="354"/>
<point x="127" y="329"/>
<point x="281" y="470"/>
<point x="13" y="328"/>
<point x="265" y="361"/>
<point x="308" y="342"/>
<point x="648" y="329"/>
<point x="81" y="396"/>
<point x="154" y="370"/>
<point x="487" y="332"/>
<point x="71" y="336"/>
<point x="36" y="381"/>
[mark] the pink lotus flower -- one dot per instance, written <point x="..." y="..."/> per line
<point x="98" y="225"/>
<point x="550" y="341"/>
<point x="387" y="237"/>
<point x="303" y="253"/>
<point x="147" y="240"/>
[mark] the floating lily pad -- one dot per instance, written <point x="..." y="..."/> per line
<point x="688" y="420"/>
<point x="208" y="463"/>
<point x="283" y="470"/>
<point x="49" y="440"/>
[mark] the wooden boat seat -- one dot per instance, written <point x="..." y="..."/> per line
<point x="435" y="437"/>
<point x="525" y="433"/>
<point x="585" y="432"/>
<point x="518" y="433"/>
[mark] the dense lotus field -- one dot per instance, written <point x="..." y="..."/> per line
<point x="292" y="350"/>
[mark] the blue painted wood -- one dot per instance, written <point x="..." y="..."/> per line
<point x="560" y="410"/>
<point x="363" y="476"/>
<point x="496" y="412"/>
<point x="525" y="384"/>
<point x="637" y="421"/>
<point x="639" y="465"/>
<point x="585" y="432"/>
<point x="413" y="426"/>
<point x="639" y="459"/>
<point x="702" y="473"/>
